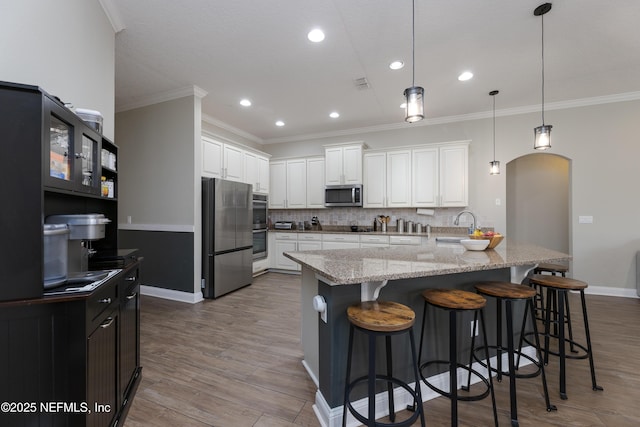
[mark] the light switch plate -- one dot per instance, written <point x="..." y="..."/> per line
<point x="585" y="219"/>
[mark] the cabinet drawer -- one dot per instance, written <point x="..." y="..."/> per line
<point x="102" y="299"/>
<point x="286" y="236"/>
<point x="315" y="237"/>
<point x="374" y="239"/>
<point x="354" y="238"/>
<point x="405" y="240"/>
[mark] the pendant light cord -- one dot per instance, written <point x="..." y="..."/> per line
<point x="494" y="128"/>
<point x="413" y="42"/>
<point x="542" y="18"/>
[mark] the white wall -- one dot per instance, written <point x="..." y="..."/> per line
<point x="600" y="140"/>
<point x="67" y="47"/>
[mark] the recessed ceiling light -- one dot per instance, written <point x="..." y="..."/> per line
<point x="245" y="103"/>
<point x="334" y="115"/>
<point x="467" y="75"/>
<point x="396" y="65"/>
<point x="279" y="123"/>
<point x="316" y="35"/>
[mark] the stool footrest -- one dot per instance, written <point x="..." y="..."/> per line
<point x="467" y="398"/>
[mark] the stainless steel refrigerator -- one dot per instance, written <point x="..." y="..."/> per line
<point x="227" y="238"/>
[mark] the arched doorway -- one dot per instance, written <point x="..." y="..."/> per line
<point x="538" y="201"/>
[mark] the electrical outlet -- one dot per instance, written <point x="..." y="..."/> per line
<point x="498" y="202"/>
<point x="474" y="328"/>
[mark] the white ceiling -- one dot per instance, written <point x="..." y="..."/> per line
<point x="258" y="49"/>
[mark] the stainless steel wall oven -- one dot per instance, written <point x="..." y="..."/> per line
<point x="259" y="226"/>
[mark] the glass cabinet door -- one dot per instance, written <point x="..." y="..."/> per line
<point x="60" y="149"/>
<point x="88" y="162"/>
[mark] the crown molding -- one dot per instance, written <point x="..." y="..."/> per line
<point x="113" y="14"/>
<point x="234" y="130"/>
<point x="163" y="97"/>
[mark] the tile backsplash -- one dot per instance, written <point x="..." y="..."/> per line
<point x="442" y="217"/>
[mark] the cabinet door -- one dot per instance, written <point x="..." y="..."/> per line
<point x="282" y="261"/>
<point x="399" y="178"/>
<point x="263" y="175"/>
<point x="60" y="145"/>
<point x="102" y="368"/>
<point x="375" y="180"/>
<point x="309" y="246"/>
<point x="129" y="333"/>
<point x="352" y="165"/>
<point x="211" y="158"/>
<point x="88" y="172"/>
<point x="315" y="183"/>
<point x="454" y="175"/>
<point x="425" y="183"/>
<point x="278" y="184"/>
<point x="296" y="184"/>
<point x="252" y="170"/>
<point x="233" y="163"/>
<point x="333" y="166"/>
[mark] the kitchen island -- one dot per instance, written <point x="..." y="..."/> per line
<point x="335" y="279"/>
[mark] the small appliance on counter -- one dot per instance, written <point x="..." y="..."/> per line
<point x="284" y="225"/>
<point x="82" y="230"/>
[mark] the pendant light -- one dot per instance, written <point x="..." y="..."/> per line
<point x="494" y="166"/>
<point x="542" y="134"/>
<point x="414" y="96"/>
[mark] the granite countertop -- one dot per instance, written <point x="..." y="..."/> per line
<point x="353" y="266"/>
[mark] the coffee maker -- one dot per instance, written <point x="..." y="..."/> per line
<point x="83" y="230"/>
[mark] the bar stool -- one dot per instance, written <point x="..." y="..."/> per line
<point x="456" y="301"/>
<point x="377" y="319"/>
<point x="553" y="269"/>
<point x="510" y="293"/>
<point x="559" y="287"/>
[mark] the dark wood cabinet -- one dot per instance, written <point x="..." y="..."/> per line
<point x="69" y="360"/>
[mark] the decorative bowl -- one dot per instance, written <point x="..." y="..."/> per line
<point x="493" y="240"/>
<point x="475" y="244"/>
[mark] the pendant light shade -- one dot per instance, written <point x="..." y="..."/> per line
<point x="414" y="96"/>
<point x="494" y="166"/>
<point x="542" y="134"/>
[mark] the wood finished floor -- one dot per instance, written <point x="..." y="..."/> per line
<point x="236" y="362"/>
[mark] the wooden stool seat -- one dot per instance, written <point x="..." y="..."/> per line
<point x="505" y="290"/>
<point x="558" y="282"/>
<point x="552" y="268"/>
<point x="381" y="316"/>
<point x="454" y="299"/>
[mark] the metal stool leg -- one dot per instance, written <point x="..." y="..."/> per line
<point x="512" y="369"/>
<point x="589" y="349"/>
<point x="561" y="345"/>
<point x="488" y="357"/>
<point x="550" y="407"/>
<point x="392" y="411"/>
<point x="453" y="367"/>
<point x="345" y="409"/>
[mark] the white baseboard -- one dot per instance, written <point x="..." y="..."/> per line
<point x="611" y="292"/>
<point x="332" y="417"/>
<point x="171" y="294"/>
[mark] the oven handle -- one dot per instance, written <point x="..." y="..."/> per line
<point x="260" y="230"/>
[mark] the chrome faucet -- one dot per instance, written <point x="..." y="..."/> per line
<point x="473" y="224"/>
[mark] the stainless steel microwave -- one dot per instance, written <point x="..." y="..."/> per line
<point x="343" y="195"/>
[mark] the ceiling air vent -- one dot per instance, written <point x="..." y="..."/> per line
<point x="361" y="83"/>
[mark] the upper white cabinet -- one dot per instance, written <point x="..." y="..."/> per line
<point x="230" y="162"/>
<point x="315" y="182"/>
<point x="343" y="164"/>
<point x="387" y="179"/>
<point x="440" y="175"/>
<point x="288" y="184"/>
<point x="256" y="169"/>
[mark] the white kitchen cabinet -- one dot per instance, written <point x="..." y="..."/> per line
<point x="343" y="164"/>
<point x="211" y="158"/>
<point x="374" y="241"/>
<point x="309" y="241"/>
<point x="405" y="240"/>
<point x="256" y="168"/>
<point x="340" y="241"/>
<point x="288" y="184"/>
<point x="315" y="183"/>
<point x="278" y="184"/>
<point x="387" y="179"/>
<point x="233" y="163"/>
<point x="454" y="175"/>
<point x="285" y="242"/>
<point x="440" y="176"/>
